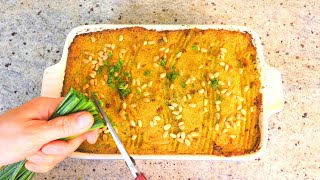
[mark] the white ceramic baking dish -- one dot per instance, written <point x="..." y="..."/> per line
<point x="272" y="91"/>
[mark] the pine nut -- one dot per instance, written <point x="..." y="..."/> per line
<point x="187" y="141"/>
<point x="151" y="42"/>
<point x="217" y="107"/>
<point x="155" y="65"/>
<point x="194" y="134"/>
<point x="124" y="105"/>
<point x="192" y="105"/>
<point x="233" y="136"/>
<point x="146" y="100"/>
<point x="180" y="109"/>
<point x="165" y="39"/>
<point x="221" y="83"/>
<point x="246" y="89"/>
<point x="180" y="140"/>
<point x="138" y="66"/>
<point x="146" y="93"/>
<point x="165" y="134"/>
<point x="243" y="111"/>
<point x="139" y="123"/>
<point x="217" y="116"/>
<point x="178" y="117"/>
<point x="151" y="123"/>
<point x="217" y="127"/>
<point x="201" y="91"/>
<point x="189" y="96"/>
<point x="157" y="118"/>
<point x="85" y="87"/>
<point x="121" y="38"/>
<point x="204" y="50"/>
<point x="134" y="137"/>
<point x="183" y="135"/>
<point x="175" y="112"/>
<point x="173" y="135"/>
<point x="171" y="108"/>
<point x="156" y="58"/>
<point x="163" y="75"/>
<point x="167" y="127"/>
<point x="181" y="123"/>
<point x="218" y="102"/>
<point x="239" y="107"/>
<point x="205" y="102"/>
<point x="179" y="55"/>
<point x="132" y="123"/>
<point x="174" y="104"/>
<point x="216" y="75"/>
<point x="150" y="83"/>
<point x="211" y="76"/>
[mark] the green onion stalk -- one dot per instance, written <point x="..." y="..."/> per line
<point x="74" y="102"/>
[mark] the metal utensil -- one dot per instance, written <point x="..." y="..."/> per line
<point x="128" y="159"/>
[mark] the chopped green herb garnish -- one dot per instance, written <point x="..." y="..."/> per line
<point x="101" y="102"/>
<point x="105" y="63"/>
<point x="183" y="84"/>
<point x="139" y="91"/>
<point x="118" y="66"/>
<point x="112" y="85"/>
<point x="124" y="92"/>
<point x="147" y="72"/>
<point x="110" y="54"/>
<point x="127" y="74"/>
<point x="214" y="83"/>
<point x="172" y="75"/>
<point x="163" y="62"/>
<point x="192" y="84"/>
<point x="194" y="47"/>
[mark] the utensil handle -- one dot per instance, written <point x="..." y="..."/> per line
<point x="141" y="177"/>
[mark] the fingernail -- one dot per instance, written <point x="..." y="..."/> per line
<point x="83" y="120"/>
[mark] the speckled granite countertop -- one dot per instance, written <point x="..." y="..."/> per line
<point x="32" y="36"/>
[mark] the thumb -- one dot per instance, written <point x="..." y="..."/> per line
<point x="65" y="126"/>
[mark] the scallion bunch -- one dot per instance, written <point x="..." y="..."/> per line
<point x="74" y="102"/>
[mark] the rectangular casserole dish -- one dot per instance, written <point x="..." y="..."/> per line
<point x="270" y="82"/>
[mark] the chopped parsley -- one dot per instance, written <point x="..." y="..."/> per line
<point x="147" y="72"/>
<point x="214" y="83"/>
<point x="163" y="62"/>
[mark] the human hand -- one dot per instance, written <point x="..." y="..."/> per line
<point x="26" y="133"/>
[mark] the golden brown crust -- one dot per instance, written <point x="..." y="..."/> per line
<point x="193" y="57"/>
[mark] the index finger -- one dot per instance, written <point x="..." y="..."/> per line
<point x="40" y="108"/>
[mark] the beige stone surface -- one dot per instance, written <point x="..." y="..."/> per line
<point x="32" y="35"/>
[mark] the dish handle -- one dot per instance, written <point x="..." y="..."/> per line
<point x="52" y="81"/>
<point x="274" y="102"/>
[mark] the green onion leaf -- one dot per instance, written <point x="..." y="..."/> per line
<point x="194" y="47"/>
<point x="173" y="75"/>
<point x="163" y="62"/>
<point x="183" y="84"/>
<point x="147" y="72"/>
<point x="214" y="83"/>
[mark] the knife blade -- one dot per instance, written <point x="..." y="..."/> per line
<point x="128" y="159"/>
